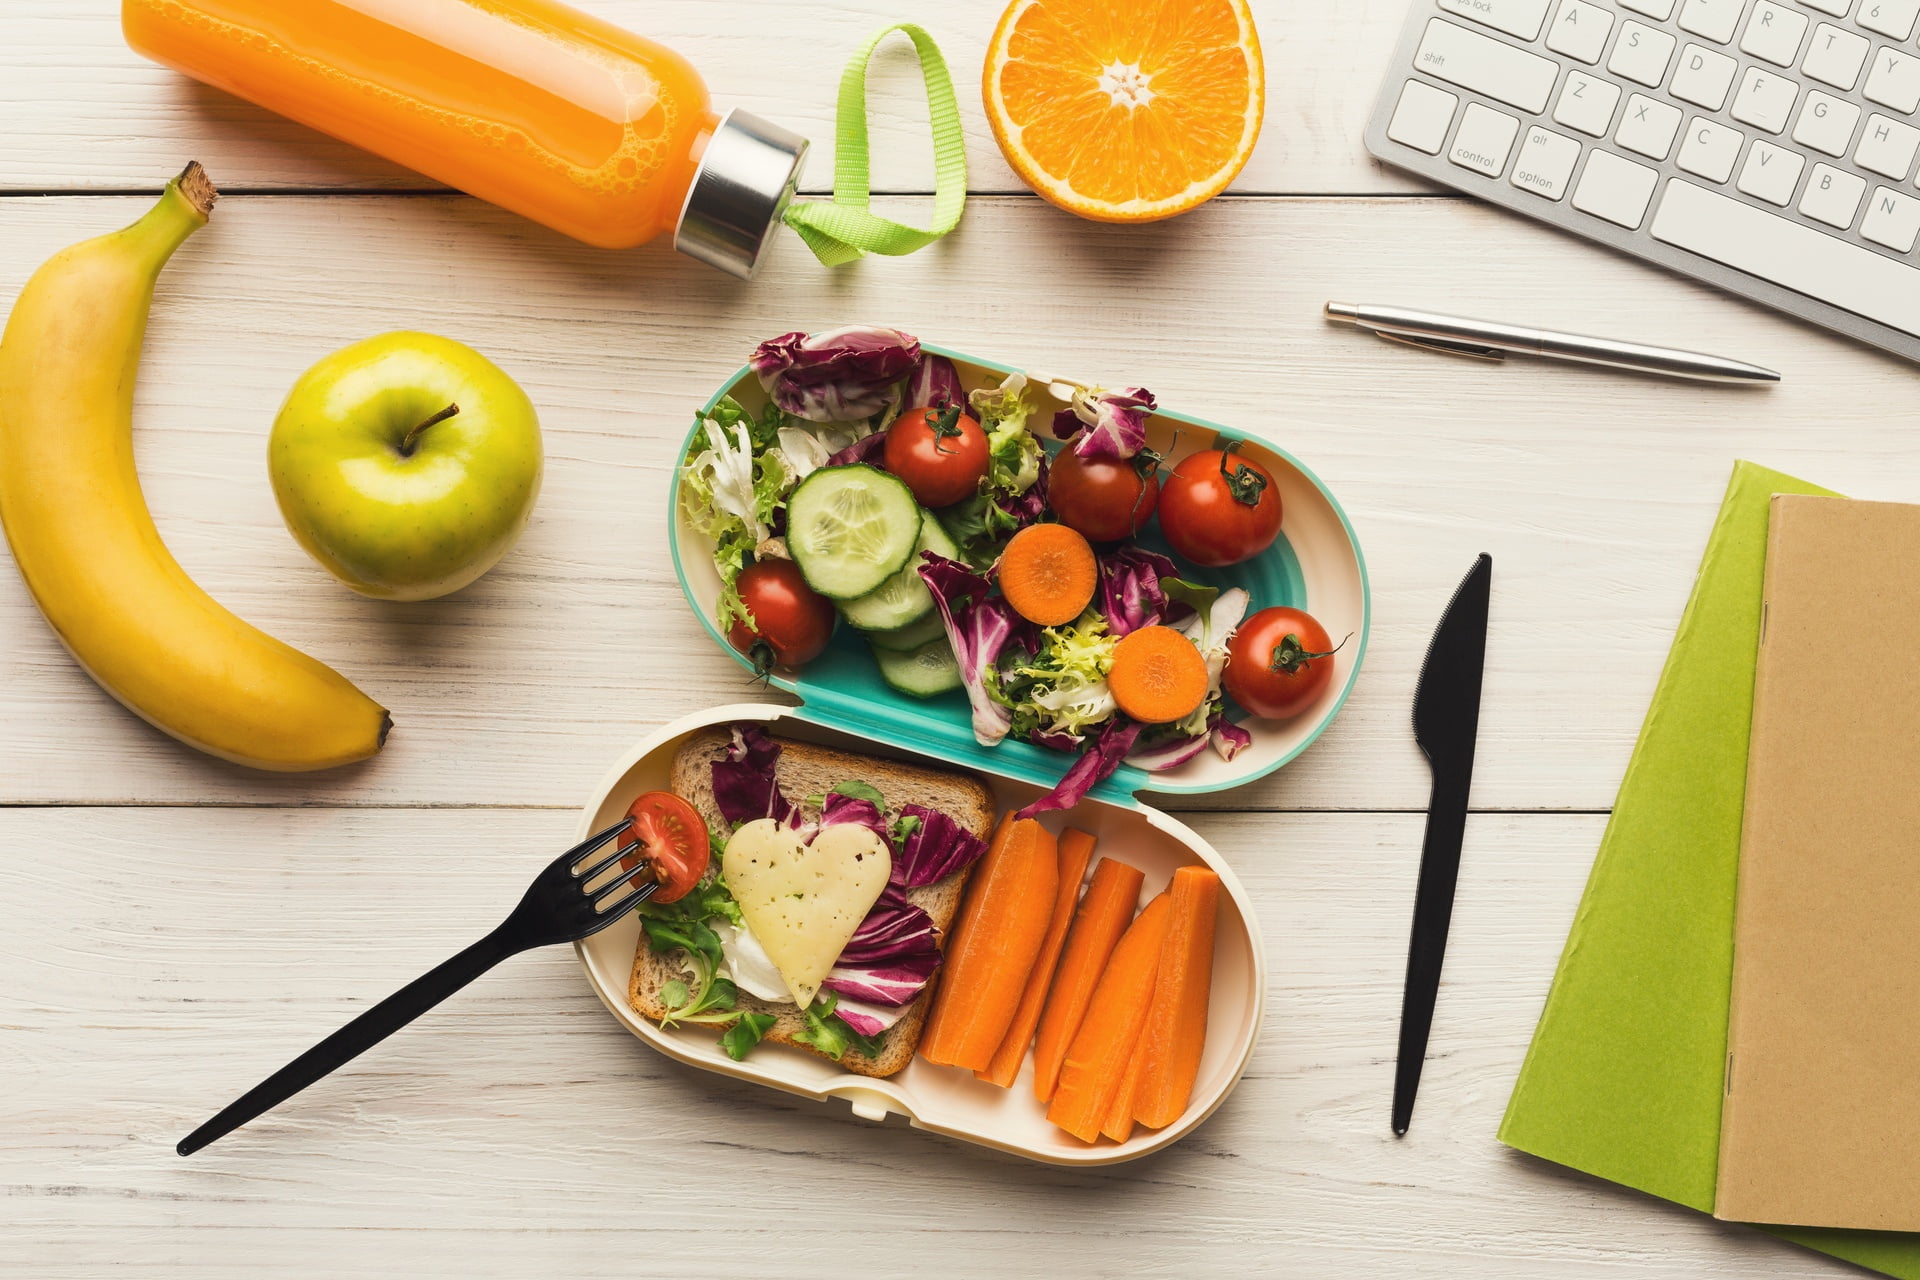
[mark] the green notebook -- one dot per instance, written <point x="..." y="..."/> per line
<point x="1624" y="1076"/>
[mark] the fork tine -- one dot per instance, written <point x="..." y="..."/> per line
<point x="573" y="856"/>
<point x="586" y="877"/>
<point x="602" y="898"/>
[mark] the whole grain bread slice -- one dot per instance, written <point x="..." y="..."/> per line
<point x="805" y="769"/>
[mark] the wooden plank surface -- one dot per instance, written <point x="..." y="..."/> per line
<point x="520" y="1130"/>
<point x="98" y="116"/>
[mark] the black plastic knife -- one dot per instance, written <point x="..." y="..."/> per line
<point x="1446" y="723"/>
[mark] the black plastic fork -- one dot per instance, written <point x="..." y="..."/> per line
<point x="558" y="907"/>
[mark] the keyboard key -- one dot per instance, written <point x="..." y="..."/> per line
<point x="1836" y="56"/>
<point x="1771" y="173"/>
<point x="1774" y="32"/>
<point x="1515" y="17"/>
<point x="1711" y="149"/>
<point x="1765" y="99"/>
<point x="1826" y="124"/>
<point x="1657" y="9"/>
<point x="1546" y="163"/>
<point x="1580" y="30"/>
<point x="1895" y="81"/>
<point x="1615" y="189"/>
<point x="1703" y="77"/>
<point x="1838" y="8"/>
<point x="1888" y="17"/>
<point x="1484" y="141"/>
<point x="1485" y="65"/>
<point x="1892" y="220"/>
<point x="1714" y="19"/>
<point x="1797" y="257"/>
<point x="1887" y="147"/>
<point x="1423" y="117"/>
<point x="1832" y="196"/>
<point x="1641" y="53"/>
<point x="1587" y="104"/>
<point x="1648" y="127"/>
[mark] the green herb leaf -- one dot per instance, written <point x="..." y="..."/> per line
<point x="745" y="1033"/>
<point x="830" y="1034"/>
<point x="859" y="791"/>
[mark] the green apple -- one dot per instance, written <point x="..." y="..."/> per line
<point x="407" y="464"/>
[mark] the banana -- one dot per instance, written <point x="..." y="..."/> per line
<point x="71" y="504"/>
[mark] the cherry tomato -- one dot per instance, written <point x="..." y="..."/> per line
<point x="1220" y="508"/>
<point x="1103" y="499"/>
<point x="1279" y="663"/>
<point x="672" y="840"/>
<point x="940" y="453"/>
<point x="791" y="621"/>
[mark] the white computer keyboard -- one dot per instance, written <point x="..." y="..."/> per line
<point x="1767" y="146"/>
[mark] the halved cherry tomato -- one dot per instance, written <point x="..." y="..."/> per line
<point x="672" y="840"/>
<point x="1219" y="508"/>
<point x="940" y="453"/>
<point x="1279" y="662"/>
<point x="1103" y="499"/>
<point x="791" y="621"/>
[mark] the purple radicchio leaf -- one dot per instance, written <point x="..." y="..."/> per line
<point x="1131" y="596"/>
<point x="744" y="785"/>
<point x="867" y="1019"/>
<point x="1106" y="424"/>
<point x="1054" y="740"/>
<point x="935" y="384"/>
<point x="1228" y="738"/>
<point x="838" y="808"/>
<point x="1170" y="754"/>
<point x="890" y="957"/>
<point x="840" y="375"/>
<point x="938" y="848"/>
<point x="979" y="629"/>
<point x="867" y="449"/>
<point x="1102" y="756"/>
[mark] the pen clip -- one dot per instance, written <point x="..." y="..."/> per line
<point x="1445" y="346"/>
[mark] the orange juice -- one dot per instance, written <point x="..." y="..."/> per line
<point x="535" y="106"/>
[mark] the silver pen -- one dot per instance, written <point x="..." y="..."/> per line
<point x="1490" y="341"/>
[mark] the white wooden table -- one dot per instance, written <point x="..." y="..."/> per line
<point x="171" y="928"/>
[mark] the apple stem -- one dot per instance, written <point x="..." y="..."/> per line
<point x="413" y="436"/>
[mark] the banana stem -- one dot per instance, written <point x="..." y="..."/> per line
<point x="413" y="436"/>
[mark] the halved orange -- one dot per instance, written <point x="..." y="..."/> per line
<point x="1125" y="110"/>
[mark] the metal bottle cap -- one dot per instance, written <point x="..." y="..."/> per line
<point x="745" y="179"/>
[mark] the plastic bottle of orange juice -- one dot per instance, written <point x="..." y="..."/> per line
<point x="535" y="106"/>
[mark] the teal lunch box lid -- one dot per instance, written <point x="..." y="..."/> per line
<point x="1314" y="565"/>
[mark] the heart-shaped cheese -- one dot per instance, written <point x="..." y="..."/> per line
<point x="804" y="901"/>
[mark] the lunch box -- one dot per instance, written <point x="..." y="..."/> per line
<point x="1315" y="565"/>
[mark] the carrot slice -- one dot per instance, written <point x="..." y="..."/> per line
<point x="1158" y="675"/>
<point x="1176" y="1029"/>
<point x="1048" y="574"/>
<point x="1096" y="1064"/>
<point x="1097" y="926"/>
<point x="1076" y="850"/>
<point x="1119" y="1121"/>
<point x="994" y="944"/>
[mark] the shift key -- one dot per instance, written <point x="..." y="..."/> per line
<point x="1486" y="65"/>
<point x="1521" y="18"/>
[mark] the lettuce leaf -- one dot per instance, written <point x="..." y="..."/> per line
<point x="840" y="375"/>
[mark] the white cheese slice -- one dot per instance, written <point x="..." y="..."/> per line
<point x="804" y="901"/>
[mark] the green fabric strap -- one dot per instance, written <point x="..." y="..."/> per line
<point x="844" y="229"/>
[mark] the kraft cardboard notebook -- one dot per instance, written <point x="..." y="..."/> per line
<point x="1624" y="1076"/>
<point x="1821" y="1121"/>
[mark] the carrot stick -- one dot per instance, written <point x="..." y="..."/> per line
<point x="1076" y="850"/>
<point x="1176" y="1028"/>
<point x="1119" y="1121"/>
<point x="1096" y="1064"/>
<point x="994" y="944"/>
<point x="1158" y="675"/>
<point x="1097" y="926"/>
<point x="1048" y="574"/>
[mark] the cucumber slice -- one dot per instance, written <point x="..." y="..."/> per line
<point x="927" y="671"/>
<point x="904" y="597"/>
<point x="851" y="528"/>
<point x="910" y="637"/>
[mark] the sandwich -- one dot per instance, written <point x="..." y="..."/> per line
<point x="819" y="922"/>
